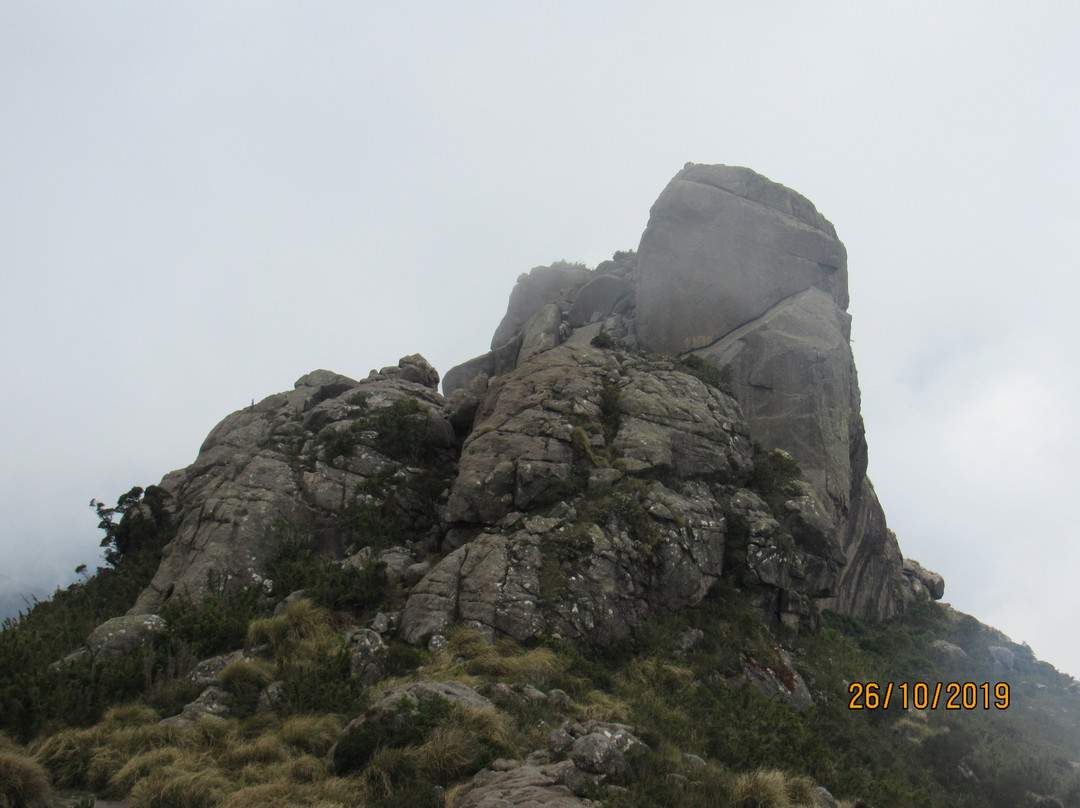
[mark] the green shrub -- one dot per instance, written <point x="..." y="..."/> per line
<point x="23" y="782"/>
<point x="216" y="624"/>
<point x="707" y="372"/>
<point x="374" y="524"/>
<point x="773" y="477"/>
<point x="32" y="694"/>
<point x="605" y="341"/>
<point x="406" y="726"/>
<point x="297" y="565"/>
<point x="609" y="412"/>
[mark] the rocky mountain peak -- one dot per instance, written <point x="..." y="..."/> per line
<point x="637" y="431"/>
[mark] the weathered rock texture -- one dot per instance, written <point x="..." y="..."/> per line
<point x="570" y="483"/>
<point x="580" y="437"/>
<point x="299" y="458"/>
<point x="748" y="274"/>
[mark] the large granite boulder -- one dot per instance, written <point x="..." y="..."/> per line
<point x="747" y="274"/>
<point x="723" y="246"/>
<point x="122" y="636"/>
<point x="557" y="283"/>
<point x="577" y="406"/>
<point x="528" y="786"/>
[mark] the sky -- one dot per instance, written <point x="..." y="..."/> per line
<point x="201" y="202"/>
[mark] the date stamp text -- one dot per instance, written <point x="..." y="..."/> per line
<point x="923" y="695"/>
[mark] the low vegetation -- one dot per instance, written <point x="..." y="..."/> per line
<point x="88" y="727"/>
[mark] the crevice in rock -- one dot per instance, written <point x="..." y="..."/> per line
<point x="749" y="325"/>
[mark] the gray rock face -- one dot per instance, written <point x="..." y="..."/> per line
<point x="368" y="654"/>
<point x="747" y="274"/>
<point x="494" y="363"/>
<point x="526" y="786"/>
<point x="121" y="636"/>
<point x="541" y="332"/>
<point x="575" y="429"/>
<point x="298" y="458"/>
<point x="542" y="432"/>
<point x="948" y="651"/>
<point x="542" y="285"/>
<point x="723" y="246"/>
<point x="555" y="520"/>
<point x="798" y="560"/>
<point x="590" y="583"/>
<point x="211" y="704"/>
<point x="599" y="298"/>
<point x="522" y="448"/>
<point x="922" y="579"/>
<point x="596" y="753"/>
<point x="775" y="676"/>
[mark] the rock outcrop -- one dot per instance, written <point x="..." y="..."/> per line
<point x="603" y="462"/>
<point x="568" y="528"/>
<point x="747" y="274"/>
<point x="298" y="459"/>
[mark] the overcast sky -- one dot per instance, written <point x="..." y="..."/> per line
<point x="200" y="202"/>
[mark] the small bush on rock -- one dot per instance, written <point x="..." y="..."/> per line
<point x="605" y="341"/>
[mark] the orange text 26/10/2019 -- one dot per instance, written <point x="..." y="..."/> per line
<point x="922" y="696"/>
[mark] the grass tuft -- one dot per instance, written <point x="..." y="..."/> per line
<point x="300" y="620"/>
<point x="761" y="789"/>
<point x="66" y="756"/>
<point x="311" y="734"/>
<point x="505" y="660"/>
<point x="175" y="787"/>
<point x="23" y="782"/>
<point x="143" y="764"/>
<point x="132" y="714"/>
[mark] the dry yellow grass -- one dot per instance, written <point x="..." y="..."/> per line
<point x="175" y="787"/>
<point x="7" y="745"/>
<point x="300" y="620"/>
<point x="800" y="791"/>
<point x="132" y="714"/>
<point x="314" y="734"/>
<point x="242" y="673"/>
<point x="142" y="764"/>
<point x="263" y="750"/>
<point x="23" y="782"/>
<point x="66" y="755"/>
<point x="308" y="769"/>
<point x="503" y="660"/>
<point x="601" y="706"/>
<point x="456" y="794"/>
<point x="761" y="789"/>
